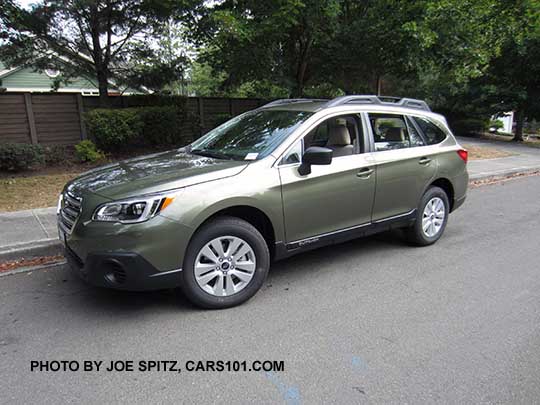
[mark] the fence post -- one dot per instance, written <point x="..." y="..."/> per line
<point x="201" y="113"/>
<point x="31" y="120"/>
<point x="80" y="108"/>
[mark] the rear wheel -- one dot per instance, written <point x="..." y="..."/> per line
<point x="431" y="218"/>
<point x="226" y="263"/>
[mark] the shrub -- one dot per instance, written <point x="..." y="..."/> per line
<point x="495" y="125"/>
<point x="57" y="154"/>
<point x="469" y="126"/>
<point x="20" y="156"/>
<point x="167" y="125"/>
<point x="114" y="129"/>
<point x="86" y="151"/>
<point x="161" y="125"/>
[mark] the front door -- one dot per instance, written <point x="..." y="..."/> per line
<point x="332" y="197"/>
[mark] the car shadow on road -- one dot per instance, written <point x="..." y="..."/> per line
<point x="329" y="255"/>
<point x="86" y="298"/>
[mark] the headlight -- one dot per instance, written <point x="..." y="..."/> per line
<point x="133" y="210"/>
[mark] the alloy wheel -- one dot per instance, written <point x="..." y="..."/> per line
<point x="433" y="217"/>
<point x="225" y="266"/>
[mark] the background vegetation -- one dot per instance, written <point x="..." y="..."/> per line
<point x="469" y="59"/>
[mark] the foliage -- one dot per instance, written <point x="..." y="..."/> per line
<point x="113" y="129"/>
<point x="161" y="66"/>
<point x="205" y="82"/>
<point x="513" y="79"/>
<point x="469" y="126"/>
<point x="98" y="38"/>
<point x="350" y="45"/>
<point x="496" y="125"/>
<point x="19" y="156"/>
<point x="165" y="125"/>
<point x="57" y="154"/>
<point x="87" y="151"/>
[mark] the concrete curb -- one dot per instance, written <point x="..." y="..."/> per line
<point x="32" y="268"/>
<point x="503" y="174"/>
<point x="40" y="248"/>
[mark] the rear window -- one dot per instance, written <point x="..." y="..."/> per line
<point x="432" y="132"/>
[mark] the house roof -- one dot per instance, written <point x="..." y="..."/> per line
<point x="4" y="71"/>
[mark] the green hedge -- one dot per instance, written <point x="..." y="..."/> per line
<point x="20" y="156"/>
<point x="469" y="126"/>
<point x="115" y="129"/>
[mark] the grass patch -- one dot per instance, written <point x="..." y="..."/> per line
<point x="481" y="152"/>
<point x="27" y="192"/>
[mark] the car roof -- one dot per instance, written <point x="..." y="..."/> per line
<point x="368" y="103"/>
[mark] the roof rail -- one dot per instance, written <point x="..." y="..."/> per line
<point x="291" y="100"/>
<point x="381" y="100"/>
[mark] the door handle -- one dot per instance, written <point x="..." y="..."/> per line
<point x="365" y="173"/>
<point x="424" y="161"/>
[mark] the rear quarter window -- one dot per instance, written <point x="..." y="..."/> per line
<point x="432" y="132"/>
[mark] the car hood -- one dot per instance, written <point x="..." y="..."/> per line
<point x="153" y="173"/>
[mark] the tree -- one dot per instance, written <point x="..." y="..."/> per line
<point x="513" y="80"/>
<point x="275" y="41"/>
<point x="162" y="65"/>
<point x="88" y="37"/>
<point x="350" y="46"/>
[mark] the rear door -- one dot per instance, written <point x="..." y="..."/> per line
<point x="405" y="166"/>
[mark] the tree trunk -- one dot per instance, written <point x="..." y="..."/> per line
<point x="379" y="85"/>
<point x="299" y="89"/>
<point x="520" y="119"/>
<point x="103" y="86"/>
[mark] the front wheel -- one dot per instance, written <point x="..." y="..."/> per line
<point x="226" y="263"/>
<point x="431" y="218"/>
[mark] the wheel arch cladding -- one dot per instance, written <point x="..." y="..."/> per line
<point x="448" y="188"/>
<point x="252" y="215"/>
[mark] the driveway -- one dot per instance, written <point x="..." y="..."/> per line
<point x="369" y="321"/>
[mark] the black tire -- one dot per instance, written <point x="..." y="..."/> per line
<point x="415" y="234"/>
<point x="223" y="226"/>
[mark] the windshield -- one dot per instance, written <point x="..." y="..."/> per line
<point x="249" y="136"/>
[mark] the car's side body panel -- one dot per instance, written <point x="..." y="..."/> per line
<point x="402" y="174"/>
<point x="330" y="198"/>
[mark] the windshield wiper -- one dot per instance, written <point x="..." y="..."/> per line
<point x="212" y="154"/>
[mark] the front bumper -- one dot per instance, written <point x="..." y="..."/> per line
<point x="123" y="271"/>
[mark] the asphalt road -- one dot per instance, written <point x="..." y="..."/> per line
<point x="370" y="321"/>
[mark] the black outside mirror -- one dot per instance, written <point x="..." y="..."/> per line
<point x="315" y="155"/>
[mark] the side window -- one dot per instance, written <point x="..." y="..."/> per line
<point x="320" y="135"/>
<point x="294" y="155"/>
<point x="393" y="132"/>
<point x="342" y="134"/>
<point x="432" y="132"/>
<point x="416" y="138"/>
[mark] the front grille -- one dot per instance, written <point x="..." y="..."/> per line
<point x="70" y="211"/>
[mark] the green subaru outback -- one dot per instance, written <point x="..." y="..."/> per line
<point x="287" y="177"/>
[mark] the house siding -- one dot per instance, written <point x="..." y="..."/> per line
<point x="27" y="78"/>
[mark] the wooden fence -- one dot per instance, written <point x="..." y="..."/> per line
<point x="57" y="118"/>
